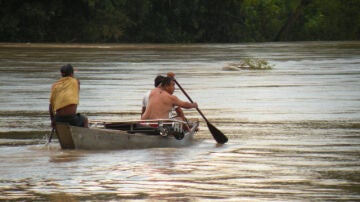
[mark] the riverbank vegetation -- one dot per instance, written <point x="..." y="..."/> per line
<point x="178" y="21"/>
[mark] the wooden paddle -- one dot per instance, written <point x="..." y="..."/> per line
<point x="216" y="133"/>
<point x="51" y="134"/>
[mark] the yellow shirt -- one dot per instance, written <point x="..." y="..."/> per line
<point x="64" y="92"/>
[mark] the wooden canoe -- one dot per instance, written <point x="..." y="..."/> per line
<point x="126" y="135"/>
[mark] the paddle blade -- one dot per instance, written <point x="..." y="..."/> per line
<point x="51" y="134"/>
<point x="217" y="134"/>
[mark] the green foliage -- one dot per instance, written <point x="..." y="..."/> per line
<point x="263" y="19"/>
<point x="255" y="63"/>
<point x="250" y="63"/>
<point x="333" y="20"/>
<point x="178" y="21"/>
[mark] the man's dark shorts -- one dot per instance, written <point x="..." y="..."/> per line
<point x="74" y="120"/>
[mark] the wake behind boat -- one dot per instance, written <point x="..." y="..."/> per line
<point x="136" y="134"/>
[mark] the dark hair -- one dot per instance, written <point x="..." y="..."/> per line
<point x="67" y="70"/>
<point x="158" y="80"/>
<point x="166" y="81"/>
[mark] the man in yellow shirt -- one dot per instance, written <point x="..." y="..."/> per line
<point x="64" y="99"/>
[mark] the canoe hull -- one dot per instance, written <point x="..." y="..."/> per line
<point x="72" y="137"/>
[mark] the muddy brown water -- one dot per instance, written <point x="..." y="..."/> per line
<point x="294" y="131"/>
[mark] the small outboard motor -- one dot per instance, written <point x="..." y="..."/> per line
<point x="179" y="136"/>
<point x="176" y="130"/>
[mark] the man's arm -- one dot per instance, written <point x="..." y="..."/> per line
<point x="143" y="109"/>
<point x="145" y="100"/>
<point x="183" y="104"/>
<point x="180" y="113"/>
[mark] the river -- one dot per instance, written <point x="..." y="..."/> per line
<point x="294" y="130"/>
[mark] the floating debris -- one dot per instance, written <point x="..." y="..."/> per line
<point x="250" y="64"/>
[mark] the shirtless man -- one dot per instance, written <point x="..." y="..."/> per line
<point x="161" y="101"/>
<point x="157" y="81"/>
<point x="64" y="99"/>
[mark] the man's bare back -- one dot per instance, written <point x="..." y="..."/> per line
<point x="161" y="102"/>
